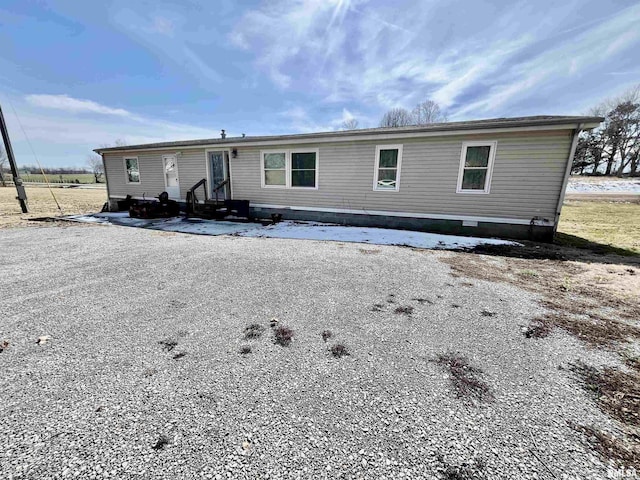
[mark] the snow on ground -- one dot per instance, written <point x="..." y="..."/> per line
<point x="376" y="236"/>
<point x="175" y="224"/>
<point x="604" y="186"/>
<point x="293" y="230"/>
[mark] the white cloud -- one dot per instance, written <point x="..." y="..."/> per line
<point x="162" y="25"/>
<point x="176" y="39"/>
<point x="560" y="66"/>
<point x="460" y="55"/>
<point x="201" y="66"/>
<point x="74" y="105"/>
<point x="63" y="130"/>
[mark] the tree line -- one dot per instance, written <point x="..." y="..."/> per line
<point x="614" y="147"/>
<point x="611" y="149"/>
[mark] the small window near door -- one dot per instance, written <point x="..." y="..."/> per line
<point x="304" y="169"/>
<point x="387" y="174"/>
<point x="476" y="164"/>
<point x="131" y="169"/>
<point x="274" y="169"/>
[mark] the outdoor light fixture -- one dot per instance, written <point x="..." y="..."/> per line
<point x="234" y="153"/>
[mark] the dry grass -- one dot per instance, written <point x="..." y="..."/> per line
<point x="620" y="450"/>
<point x="464" y="377"/>
<point x="41" y="203"/>
<point x="255" y="330"/>
<point x="407" y="310"/>
<point x="283" y="336"/>
<point x="617" y="392"/>
<point x="339" y="350"/>
<point x="614" y="223"/>
<point x="591" y="291"/>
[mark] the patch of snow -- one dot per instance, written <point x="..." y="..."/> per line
<point x="604" y="186"/>
<point x="376" y="236"/>
<point x="175" y="224"/>
<point x="294" y="230"/>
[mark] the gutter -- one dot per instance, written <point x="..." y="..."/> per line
<point x="567" y="173"/>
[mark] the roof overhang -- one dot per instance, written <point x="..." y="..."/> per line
<point x="440" y="130"/>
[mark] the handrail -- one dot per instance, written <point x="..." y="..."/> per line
<point x="218" y="187"/>
<point x="191" y="194"/>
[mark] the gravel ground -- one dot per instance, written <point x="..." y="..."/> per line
<point x="96" y="398"/>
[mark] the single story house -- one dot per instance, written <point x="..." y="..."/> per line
<point x="502" y="177"/>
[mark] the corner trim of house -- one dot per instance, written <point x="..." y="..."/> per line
<point x="434" y="216"/>
<point x="567" y="173"/>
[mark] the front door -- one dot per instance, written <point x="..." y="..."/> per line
<point x="219" y="172"/>
<point x="171" y="182"/>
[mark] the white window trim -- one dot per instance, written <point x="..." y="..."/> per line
<point x="377" y="168"/>
<point x="126" y="173"/>
<point x="290" y="169"/>
<point x="262" y="169"/>
<point x="487" y="180"/>
<point x="287" y="168"/>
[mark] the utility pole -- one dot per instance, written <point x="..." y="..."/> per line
<point x="17" y="181"/>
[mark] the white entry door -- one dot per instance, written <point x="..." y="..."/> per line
<point x="171" y="181"/>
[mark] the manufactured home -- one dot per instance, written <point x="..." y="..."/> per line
<point x="502" y="177"/>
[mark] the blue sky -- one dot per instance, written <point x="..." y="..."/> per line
<point x="80" y="74"/>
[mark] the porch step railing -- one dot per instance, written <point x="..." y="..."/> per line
<point x="209" y="208"/>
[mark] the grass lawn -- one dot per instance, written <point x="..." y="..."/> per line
<point x="41" y="203"/>
<point x="64" y="178"/>
<point x="608" y="222"/>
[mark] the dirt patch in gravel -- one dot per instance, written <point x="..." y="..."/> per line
<point x="593" y="297"/>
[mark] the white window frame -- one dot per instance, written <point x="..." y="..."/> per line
<point x="290" y="165"/>
<point x="377" y="168"/>
<point x="287" y="167"/>
<point x="126" y="172"/>
<point x="493" y="145"/>
<point x="262" y="169"/>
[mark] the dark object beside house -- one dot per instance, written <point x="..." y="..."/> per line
<point x="163" y="208"/>
<point x="218" y="209"/>
<point x="124" y="205"/>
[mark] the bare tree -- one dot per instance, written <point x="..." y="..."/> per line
<point x="95" y="165"/>
<point x="616" y="143"/>
<point x="3" y="164"/>
<point x="397" y="117"/>
<point x="351" y="124"/>
<point x="428" y="112"/>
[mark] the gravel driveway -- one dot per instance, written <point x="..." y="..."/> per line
<point x="102" y="398"/>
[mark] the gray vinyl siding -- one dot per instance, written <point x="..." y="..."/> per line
<point x="191" y="169"/>
<point x="527" y="177"/>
